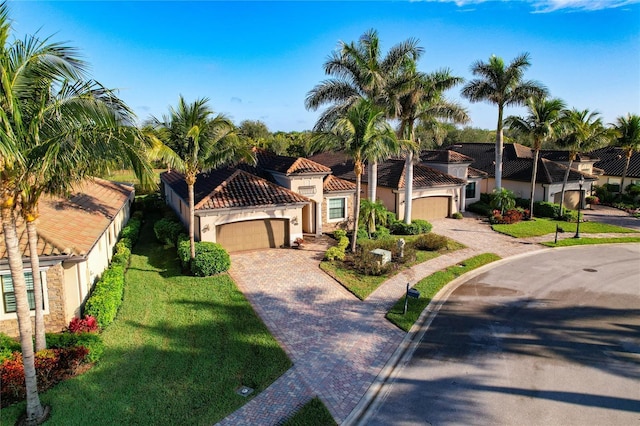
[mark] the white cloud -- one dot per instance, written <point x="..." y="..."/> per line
<point x="543" y="6"/>
<point x="235" y="100"/>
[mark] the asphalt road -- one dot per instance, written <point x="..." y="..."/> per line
<point x="551" y="338"/>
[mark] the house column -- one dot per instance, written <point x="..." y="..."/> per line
<point x="319" y="218"/>
<point x="463" y="198"/>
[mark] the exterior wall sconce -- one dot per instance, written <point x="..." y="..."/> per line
<point x="294" y="220"/>
<point x="206" y="228"/>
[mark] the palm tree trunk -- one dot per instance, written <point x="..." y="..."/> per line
<point x="356" y="207"/>
<point x="32" y="233"/>
<point x="408" y="187"/>
<point x="191" y="180"/>
<point x="536" y="154"/>
<point x="564" y="185"/>
<point x="34" y="409"/>
<point x="499" y="146"/>
<point x="624" y="172"/>
<point x="373" y="181"/>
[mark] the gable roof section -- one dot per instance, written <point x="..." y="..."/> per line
<point x="288" y="165"/>
<point x="232" y="188"/>
<point x="444" y="156"/>
<point x="72" y="225"/>
<point x="613" y="159"/>
<point x="335" y="184"/>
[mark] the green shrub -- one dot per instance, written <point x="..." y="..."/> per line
<point x="362" y="234"/>
<point x="138" y="214"/>
<point x="211" y="258"/>
<point x="546" y="209"/>
<point x="167" y="231"/>
<point x="633" y="189"/>
<point x="416" y="227"/>
<point x="106" y="297"/>
<point x="334" y="253"/>
<point x="382" y="232"/>
<point x="430" y="242"/>
<point x="184" y="251"/>
<point x="480" y="208"/>
<point x="8" y="345"/>
<point x="390" y="245"/>
<point x="150" y="203"/>
<point x="502" y="200"/>
<point x="339" y="233"/>
<point x="457" y="215"/>
<point x="343" y="243"/>
<point x="92" y="341"/>
<point x="122" y="254"/>
<point x="485" y="198"/>
<point x="367" y="263"/>
<point x="130" y="233"/>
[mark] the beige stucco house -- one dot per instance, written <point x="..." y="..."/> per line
<point x="268" y="205"/>
<point x="76" y="240"/>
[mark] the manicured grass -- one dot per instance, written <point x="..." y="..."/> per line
<point x="541" y="226"/>
<point x="127" y="176"/>
<point x="362" y="285"/>
<point x="176" y="353"/>
<point x="430" y="286"/>
<point x="313" y="413"/>
<point x="587" y="241"/>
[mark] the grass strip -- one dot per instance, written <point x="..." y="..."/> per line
<point x="313" y="413"/>
<point x="541" y="226"/>
<point x="362" y="285"/>
<point x="430" y="286"/>
<point x="588" y="241"/>
<point x="178" y="350"/>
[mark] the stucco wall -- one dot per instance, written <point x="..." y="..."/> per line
<point x="328" y="226"/>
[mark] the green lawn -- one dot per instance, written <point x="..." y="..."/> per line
<point x="363" y="285"/>
<point x="430" y="286"/>
<point x="541" y="226"/>
<point x="587" y="241"/>
<point x="314" y="413"/>
<point x="176" y="353"/>
<point x="127" y="176"/>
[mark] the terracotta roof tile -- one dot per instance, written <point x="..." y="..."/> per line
<point x="73" y="225"/>
<point x="288" y="165"/>
<point x="335" y="184"/>
<point x="444" y="156"/>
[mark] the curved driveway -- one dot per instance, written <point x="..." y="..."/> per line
<point x="547" y="338"/>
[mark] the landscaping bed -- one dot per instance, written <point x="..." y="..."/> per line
<point x="541" y="226"/>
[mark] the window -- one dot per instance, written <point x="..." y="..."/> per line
<point x="337" y="207"/>
<point x="614" y="184"/>
<point x="9" y="297"/>
<point x="470" y="190"/>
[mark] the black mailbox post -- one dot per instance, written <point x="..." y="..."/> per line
<point x="411" y="292"/>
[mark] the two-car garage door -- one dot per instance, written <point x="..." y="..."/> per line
<point x="253" y="234"/>
<point x="430" y="208"/>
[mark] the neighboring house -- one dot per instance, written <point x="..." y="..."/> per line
<point x="76" y="239"/>
<point x="611" y="162"/>
<point x="264" y="206"/>
<point x="436" y="193"/>
<point x="517" y="169"/>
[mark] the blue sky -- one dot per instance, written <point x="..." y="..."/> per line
<point x="258" y="60"/>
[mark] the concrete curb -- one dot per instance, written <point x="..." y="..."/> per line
<point x="373" y="398"/>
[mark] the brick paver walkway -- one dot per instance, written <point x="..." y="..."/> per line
<point x="338" y="344"/>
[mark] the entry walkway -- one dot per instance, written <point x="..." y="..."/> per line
<point x="338" y="344"/>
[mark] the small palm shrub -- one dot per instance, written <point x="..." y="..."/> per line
<point x="503" y="200"/>
<point x="211" y="258"/>
<point x="430" y="242"/>
<point x="167" y="231"/>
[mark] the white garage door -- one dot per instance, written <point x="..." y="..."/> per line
<point x="253" y="234"/>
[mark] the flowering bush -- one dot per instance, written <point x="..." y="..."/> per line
<point x="592" y="199"/>
<point x="509" y="217"/>
<point x="88" y="324"/>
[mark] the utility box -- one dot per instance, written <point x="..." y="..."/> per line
<point x="382" y="256"/>
<point x="412" y="292"/>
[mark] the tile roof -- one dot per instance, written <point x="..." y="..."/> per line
<point x="232" y="188"/>
<point x="613" y="159"/>
<point x="444" y="156"/>
<point x="516" y="164"/>
<point x="558" y="155"/>
<point x="72" y="225"/>
<point x="476" y="173"/>
<point x="288" y="165"/>
<point x="335" y="184"/>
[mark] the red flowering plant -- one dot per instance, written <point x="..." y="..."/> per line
<point x="88" y="324"/>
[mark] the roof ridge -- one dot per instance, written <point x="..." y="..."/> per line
<point x="293" y="166"/>
<point x="218" y="188"/>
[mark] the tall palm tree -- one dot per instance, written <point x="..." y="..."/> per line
<point x="581" y="131"/>
<point x="422" y="101"/>
<point x="201" y="141"/>
<point x="628" y="139"/>
<point x="361" y="72"/>
<point x="503" y="86"/>
<point x="360" y="131"/>
<point x="541" y="124"/>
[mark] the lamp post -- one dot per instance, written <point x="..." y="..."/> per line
<point x="580" y="183"/>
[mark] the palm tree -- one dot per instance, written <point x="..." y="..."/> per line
<point x="502" y="86"/>
<point x="541" y="124"/>
<point x="423" y="102"/>
<point x="201" y="141"/>
<point x="581" y="131"/>
<point x="361" y="132"/>
<point x="628" y="139"/>
<point x="361" y="72"/>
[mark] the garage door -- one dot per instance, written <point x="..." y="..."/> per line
<point x="571" y="199"/>
<point x="253" y="234"/>
<point x="430" y="208"/>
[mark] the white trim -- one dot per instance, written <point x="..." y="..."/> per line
<point x="338" y="219"/>
<point x="45" y="296"/>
